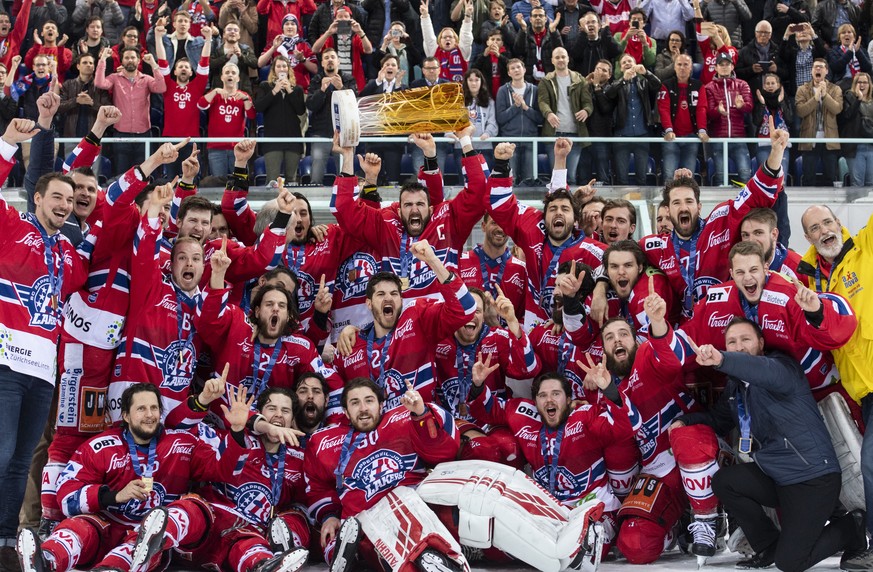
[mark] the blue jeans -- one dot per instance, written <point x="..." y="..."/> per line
<point x="520" y="162"/>
<point x="867" y="457"/>
<point x="739" y="152"/>
<point x="679" y="153"/>
<point x="320" y="153"/>
<point x="572" y="158"/>
<point x="418" y="157"/>
<point x="128" y="154"/>
<point x="220" y="162"/>
<point x="621" y="160"/>
<point x="862" y="166"/>
<point x="594" y="163"/>
<point x="26" y="403"/>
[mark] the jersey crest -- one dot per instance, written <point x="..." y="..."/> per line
<point x="380" y="471"/>
<point x="354" y="274"/>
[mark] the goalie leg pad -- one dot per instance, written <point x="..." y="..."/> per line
<point x="401" y="526"/>
<point x="847" y="440"/>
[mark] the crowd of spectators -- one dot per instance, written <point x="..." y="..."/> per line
<point x="684" y="71"/>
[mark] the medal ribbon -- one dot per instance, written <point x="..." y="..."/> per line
<point x="260" y="385"/>
<point x="550" y="458"/>
<point x="134" y="457"/>
<point x="349" y="446"/>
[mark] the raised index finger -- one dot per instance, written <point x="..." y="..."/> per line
<point x="499" y="291"/>
<point x="694" y="347"/>
<point x="651" y="285"/>
<point x="224" y="245"/>
<point x="224" y="373"/>
<point x="182" y="143"/>
<point x="321" y="285"/>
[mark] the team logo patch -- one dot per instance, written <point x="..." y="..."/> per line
<point x="37" y="300"/>
<point x="380" y="471"/>
<point x="567" y="484"/>
<point x="306" y="291"/>
<point x="252" y="500"/>
<point x="395" y="388"/>
<point x="354" y="274"/>
<point x="177" y="364"/>
<point x="135" y="509"/>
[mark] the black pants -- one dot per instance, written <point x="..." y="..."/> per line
<point x="804" y="509"/>
<point x="831" y="160"/>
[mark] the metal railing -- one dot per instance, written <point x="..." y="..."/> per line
<point x="536" y="142"/>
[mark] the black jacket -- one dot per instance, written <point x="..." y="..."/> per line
<point x="585" y="53"/>
<point x="788" y="52"/>
<point x="748" y="57"/>
<point x="791" y="442"/>
<point x="318" y="104"/>
<point x="525" y="48"/>
<point x="647" y="87"/>
<point x="282" y="113"/>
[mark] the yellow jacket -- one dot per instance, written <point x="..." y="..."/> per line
<point x="852" y="278"/>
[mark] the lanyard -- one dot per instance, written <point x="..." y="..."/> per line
<point x="55" y="271"/>
<point x="405" y="258"/>
<point x="564" y="351"/>
<point x="299" y="255"/>
<point x="349" y="446"/>
<point x="624" y="310"/>
<point x="484" y="262"/>
<point x="277" y="473"/>
<point x="550" y="458"/>
<point x="687" y="271"/>
<point x="779" y="254"/>
<point x="818" y="287"/>
<point x="134" y="457"/>
<point x="465" y="357"/>
<point x="371" y="337"/>
<point x="260" y="385"/>
<point x="553" y="266"/>
<point x="750" y="311"/>
<point x="180" y="323"/>
<point x="745" y="420"/>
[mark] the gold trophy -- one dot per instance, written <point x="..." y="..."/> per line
<point x="434" y="109"/>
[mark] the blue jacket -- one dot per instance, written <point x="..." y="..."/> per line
<point x="512" y="121"/>
<point x="791" y="442"/>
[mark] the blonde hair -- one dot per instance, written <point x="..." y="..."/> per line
<point x="273" y="76"/>
<point x="868" y="96"/>
<point x="724" y="34"/>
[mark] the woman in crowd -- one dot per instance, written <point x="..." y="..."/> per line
<point x="296" y="51"/>
<point x="480" y="107"/>
<point x="856" y="121"/>
<point x="664" y="59"/>
<point x="280" y="100"/>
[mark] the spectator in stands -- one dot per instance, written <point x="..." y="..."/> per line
<point x="783" y="13"/>
<point x="829" y="15"/>
<point x="481" y="13"/>
<point x="518" y="115"/>
<point x="430" y="71"/>
<point x="731" y="14"/>
<point x="201" y="14"/>
<point x="387" y="81"/>
<point x="244" y="12"/>
<point x="673" y="47"/>
<point x="800" y="47"/>
<point x="493" y="62"/>
<point x="635" y="115"/>
<point x="593" y="44"/>
<point x="229" y="107"/>
<point x="771" y="101"/>
<point x="43" y="12"/>
<point x="321" y="89"/>
<point x="108" y="12"/>
<point x="847" y="58"/>
<point x="280" y="100"/>
<point x="93" y="42"/>
<point x="682" y="108"/>
<point x="325" y="14"/>
<point x="570" y="12"/>
<point x="535" y="44"/>
<point x="665" y="17"/>
<point x="379" y="23"/>
<point x="595" y="162"/>
<point x="818" y="102"/>
<point x="712" y="39"/>
<point x="636" y="43"/>
<point x="131" y="91"/>
<point x="185" y="86"/>
<point x="232" y="51"/>
<point x="521" y="11"/>
<point x="276" y="10"/>
<point x="181" y="42"/>
<point x="614" y="13"/>
<point x="399" y="44"/>
<point x="8" y="106"/>
<point x="12" y="39"/>
<point x="26" y="89"/>
<point x="565" y="102"/>
<point x="48" y="45"/>
<point x="480" y="107"/>
<point x="451" y="50"/>
<point x="129" y="39"/>
<point x="857" y="122"/>
<point x="498" y="19"/>
<point x="751" y="65"/>
<point x="728" y="100"/>
<point x="348" y="39"/>
<point x="294" y="48"/>
<point x="80" y="99"/>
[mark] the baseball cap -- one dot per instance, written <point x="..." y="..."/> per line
<point x="724" y="57"/>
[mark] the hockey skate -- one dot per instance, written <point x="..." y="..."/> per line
<point x="346" y="549"/>
<point x="703" y="529"/>
<point x="289" y="561"/>
<point x="46" y="527"/>
<point x="149" y="538"/>
<point x="279" y="535"/>
<point x="434" y="561"/>
<point x="30" y="552"/>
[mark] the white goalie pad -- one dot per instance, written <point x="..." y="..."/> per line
<point x="401" y="526"/>
<point x="847" y="443"/>
<point x="526" y="521"/>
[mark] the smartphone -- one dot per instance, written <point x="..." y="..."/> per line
<point x="395" y="33"/>
<point x="796" y="28"/>
<point x="765" y="65"/>
<point x="635" y="24"/>
<point x="283" y="75"/>
<point x="344" y="28"/>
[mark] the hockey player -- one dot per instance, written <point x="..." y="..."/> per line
<point x="793" y="318"/>
<point x="312" y="391"/>
<point x="39" y="270"/>
<point x="491" y="264"/>
<point x="650" y="378"/>
<point x="547" y="237"/>
<point x="260" y="502"/>
<point x="263" y="353"/>
<point x="760" y="226"/>
<point x="117" y="477"/>
<point x="361" y="474"/>
<point x="692" y="256"/>
<point x="573" y="453"/>
<point x="398" y="348"/>
<point x="446" y="226"/>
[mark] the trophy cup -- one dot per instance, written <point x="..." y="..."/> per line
<point x="434" y="109"/>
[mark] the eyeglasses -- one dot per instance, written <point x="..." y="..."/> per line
<point x="431" y="68"/>
<point x="676" y="40"/>
<point x="763" y="32"/>
<point x="134" y="36"/>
